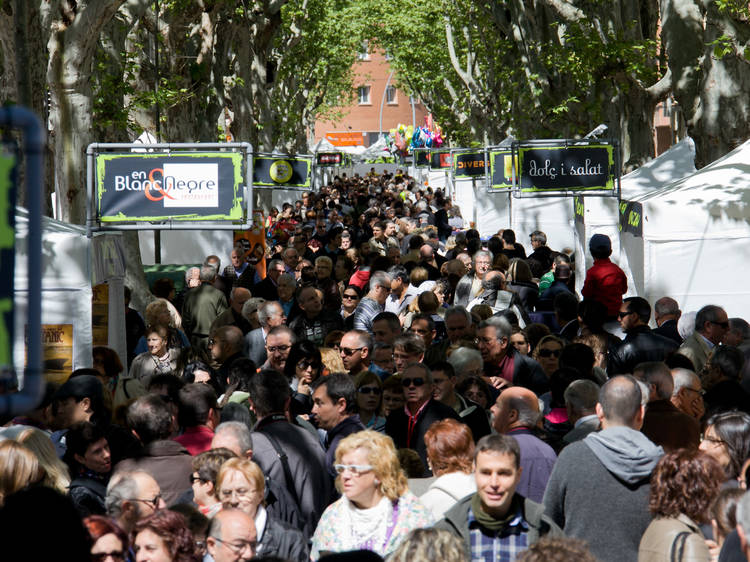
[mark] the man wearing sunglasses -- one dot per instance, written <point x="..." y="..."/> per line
<point x="407" y="426"/>
<point x="711" y="325"/>
<point x="640" y="343"/>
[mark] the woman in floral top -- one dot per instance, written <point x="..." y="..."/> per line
<point x="376" y="511"/>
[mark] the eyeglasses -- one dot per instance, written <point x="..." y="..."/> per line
<point x="349" y="351"/>
<point x="697" y="391"/>
<point x="114" y="555"/>
<point x="549" y="353"/>
<point x="194" y="479"/>
<point x="724" y="325"/>
<point x="713" y="440"/>
<point x="355" y="469"/>
<point x="621" y="315"/>
<point x="275" y="348"/>
<point x="369" y="390"/>
<point x="419" y="381"/>
<point x="242" y="493"/>
<point x="239" y="547"/>
<point x="153" y="503"/>
<point x="350" y="297"/>
<point x="304" y="364"/>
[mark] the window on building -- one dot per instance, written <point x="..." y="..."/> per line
<point x="363" y="54"/>
<point x="390" y="95"/>
<point x="364" y="95"/>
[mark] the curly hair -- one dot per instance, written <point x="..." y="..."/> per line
<point x="430" y="544"/>
<point x="685" y="481"/>
<point x="172" y="529"/>
<point x="558" y="549"/>
<point x="450" y="447"/>
<point x="381" y="454"/>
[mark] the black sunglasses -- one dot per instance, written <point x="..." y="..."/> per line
<point x="368" y="390"/>
<point x="549" y="353"/>
<point x="419" y="381"/>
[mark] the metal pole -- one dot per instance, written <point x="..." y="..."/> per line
<point x="382" y="103"/>
<point x="157" y="233"/>
<point x="28" y="398"/>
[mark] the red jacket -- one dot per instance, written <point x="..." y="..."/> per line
<point x="606" y="283"/>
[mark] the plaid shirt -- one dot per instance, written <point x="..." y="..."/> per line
<point x="502" y="546"/>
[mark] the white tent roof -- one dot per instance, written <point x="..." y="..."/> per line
<point x="676" y="162"/>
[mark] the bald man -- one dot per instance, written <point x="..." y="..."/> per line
<point x="232" y="536"/>
<point x="516" y="413"/>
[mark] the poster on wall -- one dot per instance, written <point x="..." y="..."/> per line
<point x="100" y="315"/>
<point x="57" y="351"/>
<point x="181" y="186"/>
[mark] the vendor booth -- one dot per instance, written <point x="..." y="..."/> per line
<point x="82" y="295"/>
<point x="695" y="238"/>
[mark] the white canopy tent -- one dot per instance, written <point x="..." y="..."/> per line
<point x="601" y="214"/>
<point x="71" y="265"/>
<point x="696" y="238"/>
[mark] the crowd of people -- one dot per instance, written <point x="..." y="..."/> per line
<point x="378" y="382"/>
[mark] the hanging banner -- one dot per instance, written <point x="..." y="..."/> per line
<point x="422" y="157"/>
<point x="184" y="186"/>
<point x="501" y="166"/>
<point x="7" y="254"/>
<point x="282" y="171"/>
<point x="578" y="210"/>
<point x="631" y="218"/>
<point x="440" y="160"/>
<point x="469" y="164"/>
<point x="329" y="159"/>
<point x="566" y="167"/>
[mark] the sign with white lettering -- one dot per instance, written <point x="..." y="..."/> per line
<point x="631" y="218"/>
<point x="327" y="159"/>
<point x="566" y="168"/>
<point x="282" y="171"/>
<point x="469" y="164"/>
<point x="182" y="186"/>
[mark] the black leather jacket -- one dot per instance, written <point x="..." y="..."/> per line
<point x="640" y="344"/>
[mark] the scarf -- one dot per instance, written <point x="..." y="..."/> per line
<point x="488" y="521"/>
<point x="371" y="528"/>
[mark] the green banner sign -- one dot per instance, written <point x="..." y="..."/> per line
<point x="422" y="157"/>
<point x="501" y="166"/>
<point x="566" y="168"/>
<point x="578" y="210"/>
<point x="181" y="186"/>
<point x="469" y="164"/>
<point x="631" y="218"/>
<point x="7" y="254"/>
<point x="282" y="171"/>
<point x="440" y="159"/>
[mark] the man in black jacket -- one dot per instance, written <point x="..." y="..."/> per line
<point x="408" y="426"/>
<point x="640" y="343"/>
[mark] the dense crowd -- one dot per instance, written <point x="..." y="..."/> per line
<point x="376" y="381"/>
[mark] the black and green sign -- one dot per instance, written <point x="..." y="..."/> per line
<point x="578" y="210"/>
<point x="180" y="186"/>
<point x="281" y="171"/>
<point x="501" y="165"/>
<point x="566" y="168"/>
<point x="7" y="254"/>
<point x="469" y="164"/>
<point x="440" y="159"/>
<point x="631" y="218"/>
<point x="422" y="157"/>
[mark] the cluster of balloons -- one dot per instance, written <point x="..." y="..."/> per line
<point x="403" y="139"/>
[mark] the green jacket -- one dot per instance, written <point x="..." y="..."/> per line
<point x="456" y="521"/>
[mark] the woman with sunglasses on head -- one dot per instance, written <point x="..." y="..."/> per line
<point x="376" y="511"/>
<point x="370" y="400"/>
<point x="302" y="368"/>
<point x="547" y="354"/>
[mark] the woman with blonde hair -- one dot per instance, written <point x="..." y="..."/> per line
<point x="376" y="511"/>
<point x="240" y="484"/>
<point x="56" y="474"/>
<point x="331" y="359"/>
<point x="19" y="468"/>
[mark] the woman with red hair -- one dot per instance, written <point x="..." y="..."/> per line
<point x="450" y="454"/>
<point x="163" y="537"/>
<point x="683" y="486"/>
<point x="110" y="543"/>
